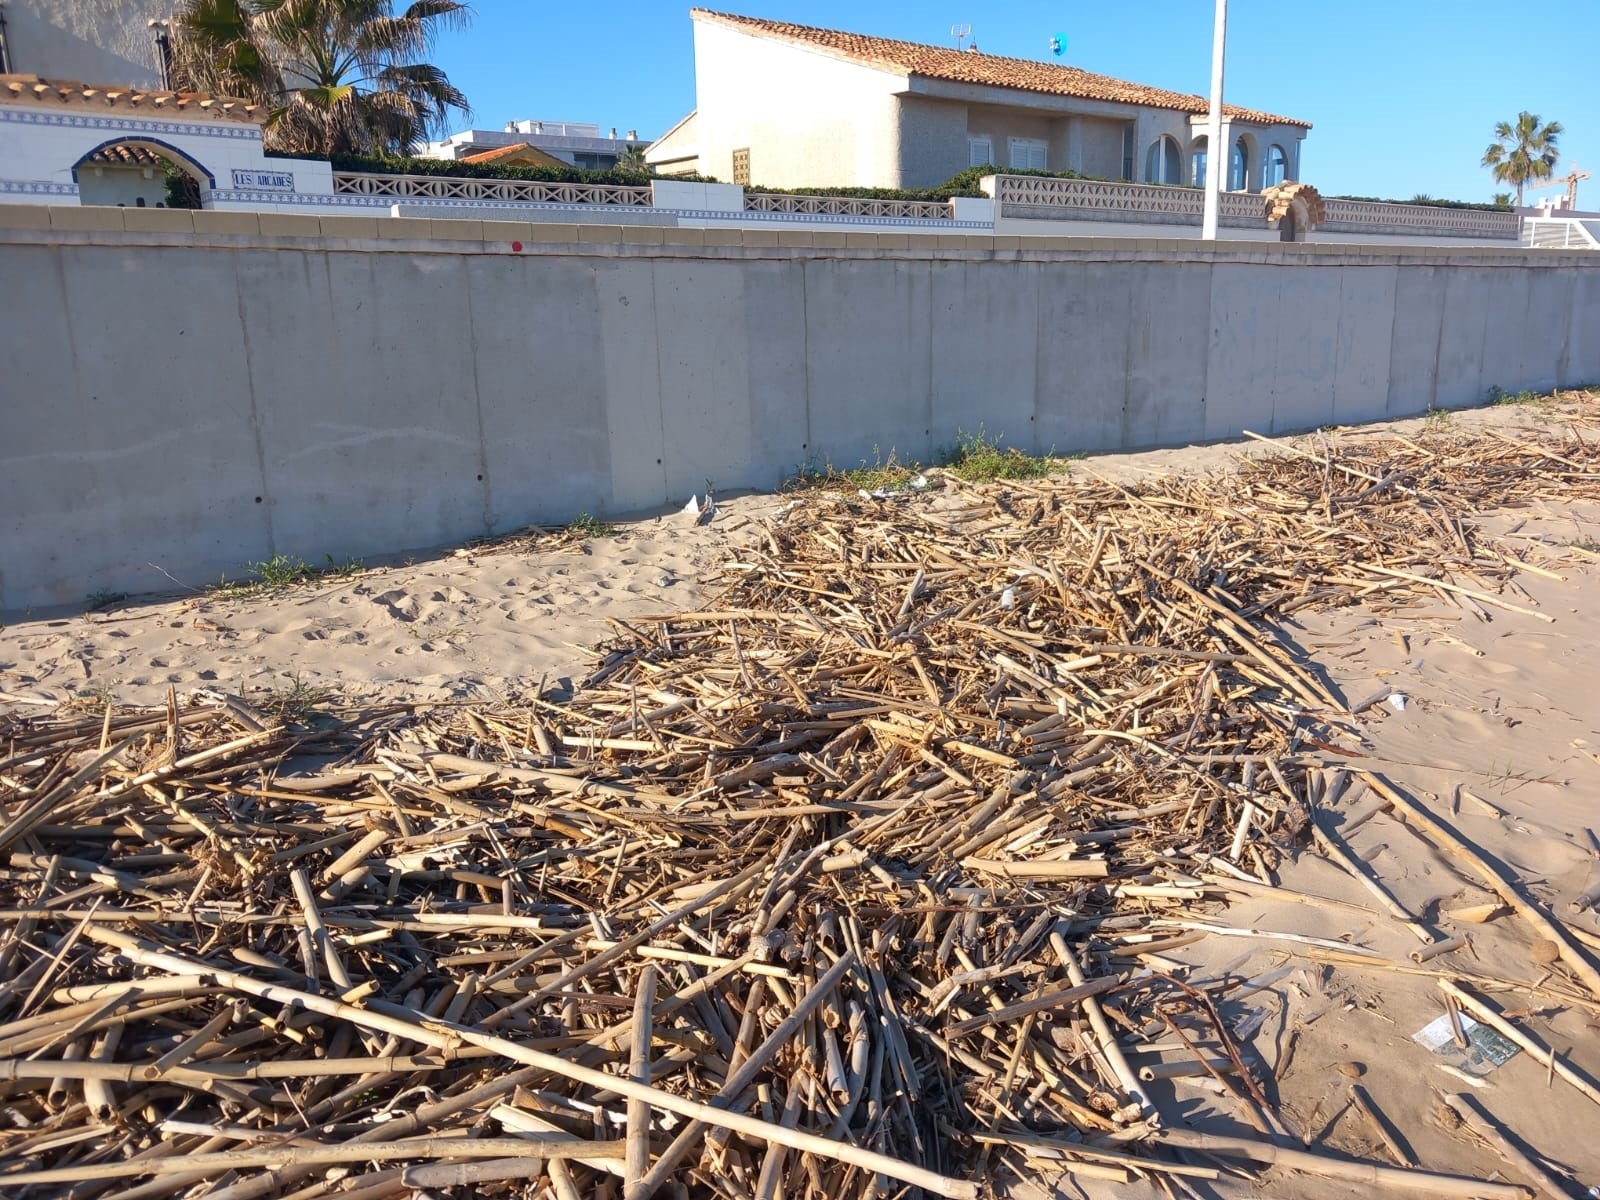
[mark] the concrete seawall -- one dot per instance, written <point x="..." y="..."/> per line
<point x="191" y="397"/>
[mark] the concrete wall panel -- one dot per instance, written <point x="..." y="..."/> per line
<point x="868" y="360"/>
<point x="1462" y="335"/>
<point x="537" y="351"/>
<point x="1414" y="342"/>
<point x="1083" y="355"/>
<point x="360" y="398"/>
<point x="158" y="461"/>
<point x="1244" y="316"/>
<point x="1365" y="339"/>
<point x="985" y="350"/>
<point x="706" y="418"/>
<point x="1168" y="347"/>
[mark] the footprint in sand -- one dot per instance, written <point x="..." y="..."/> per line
<point x="401" y="604"/>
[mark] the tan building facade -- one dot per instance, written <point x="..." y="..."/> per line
<point x="91" y="41"/>
<point x="792" y="106"/>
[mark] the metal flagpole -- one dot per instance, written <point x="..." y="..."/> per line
<point x="1216" y="154"/>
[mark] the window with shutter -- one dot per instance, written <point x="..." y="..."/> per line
<point x="980" y="152"/>
<point x="741" y="167"/>
<point x="1028" y="153"/>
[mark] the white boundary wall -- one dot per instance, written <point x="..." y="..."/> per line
<point x="192" y="391"/>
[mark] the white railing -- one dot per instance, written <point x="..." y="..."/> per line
<point x="849" y="206"/>
<point x="520" y="191"/>
<point x="1560" y="233"/>
<point x="1372" y="216"/>
<point x="1038" y="196"/>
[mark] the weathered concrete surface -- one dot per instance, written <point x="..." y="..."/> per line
<point x="181" y="404"/>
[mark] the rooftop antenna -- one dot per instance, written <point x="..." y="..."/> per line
<point x="961" y="33"/>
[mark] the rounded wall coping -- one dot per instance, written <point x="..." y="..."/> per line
<point x="228" y="229"/>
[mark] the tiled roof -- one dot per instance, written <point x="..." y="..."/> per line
<point x="30" y="89"/>
<point x="523" y="151"/>
<point x="991" y="70"/>
<point x="127" y="156"/>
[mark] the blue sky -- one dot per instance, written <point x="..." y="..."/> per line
<point x="1403" y="94"/>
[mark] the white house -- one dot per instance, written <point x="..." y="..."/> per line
<point x="575" y="143"/>
<point x="122" y="42"/>
<point x="793" y="106"/>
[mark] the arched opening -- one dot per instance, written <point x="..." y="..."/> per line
<point x="1239" y="167"/>
<point x="1277" y="169"/>
<point x="140" y="173"/>
<point x="1197" y="161"/>
<point x="1163" y="162"/>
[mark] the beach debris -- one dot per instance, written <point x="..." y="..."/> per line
<point x="857" y="880"/>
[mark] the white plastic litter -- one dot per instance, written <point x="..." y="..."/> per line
<point x="1397" y="701"/>
<point x="1008" y="598"/>
<point x="693" y="507"/>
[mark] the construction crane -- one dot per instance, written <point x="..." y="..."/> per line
<point x="1571" y="180"/>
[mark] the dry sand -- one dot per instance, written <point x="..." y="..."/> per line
<point x="1500" y="734"/>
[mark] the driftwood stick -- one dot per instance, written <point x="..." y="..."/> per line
<point x="547" y="1146"/>
<point x="1446" y="838"/>
<point x="637" y="1160"/>
<point x="440" y="1035"/>
<point x="1380" y="1179"/>
<point x="1103" y="1033"/>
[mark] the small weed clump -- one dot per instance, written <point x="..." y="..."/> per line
<point x="97" y="601"/>
<point x="296" y="703"/>
<point x="585" y="525"/>
<point x="975" y="458"/>
<point x="281" y="572"/>
<point x="978" y="458"/>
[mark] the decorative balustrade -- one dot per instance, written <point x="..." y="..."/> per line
<point x="1372" y="216"/>
<point x="848" y="206"/>
<point x="515" y="191"/>
<point x="1095" y="199"/>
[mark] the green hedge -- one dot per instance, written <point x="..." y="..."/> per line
<point x="1429" y="202"/>
<point x="464" y="170"/>
<point x="964" y="184"/>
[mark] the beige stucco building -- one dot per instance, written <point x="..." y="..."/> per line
<point x="91" y="41"/>
<point x="785" y="105"/>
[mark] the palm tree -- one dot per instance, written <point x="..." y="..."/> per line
<point x="1523" y="152"/>
<point x="337" y="76"/>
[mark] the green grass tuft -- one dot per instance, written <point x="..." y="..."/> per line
<point x="979" y="458"/>
<point x="589" y="526"/>
<point x="281" y="572"/>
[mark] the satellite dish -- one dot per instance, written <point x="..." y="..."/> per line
<point x="1058" y="44"/>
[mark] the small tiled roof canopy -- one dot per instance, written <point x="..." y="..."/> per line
<point x="991" y="70"/>
<point x="126" y="156"/>
<point x="520" y="150"/>
<point x="30" y="89"/>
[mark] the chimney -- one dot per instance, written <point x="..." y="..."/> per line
<point x="633" y="135"/>
<point x="613" y="133"/>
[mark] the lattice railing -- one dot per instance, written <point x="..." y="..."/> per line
<point x="520" y="191"/>
<point x="1559" y="234"/>
<point x="1039" y="196"/>
<point x="1372" y="216"/>
<point x="849" y="206"/>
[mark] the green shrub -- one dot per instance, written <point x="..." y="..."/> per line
<point x="1429" y="202"/>
<point x="966" y="183"/>
<point x="451" y="168"/>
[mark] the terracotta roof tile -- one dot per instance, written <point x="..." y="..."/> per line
<point x="127" y="156"/>
<point x="30" y="89"/>
<point x="967" y="66"/>
<point x="522" y="150"/>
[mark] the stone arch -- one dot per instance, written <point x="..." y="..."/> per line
<point x="1294" y="210"/>
<point x="136" y="151"/>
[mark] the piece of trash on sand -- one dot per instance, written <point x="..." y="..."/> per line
<point x="1485" y="1050"/>
<point x="1397" y="701"/>
<point x="693" y="507"/>
<point x="1008" y="598"/>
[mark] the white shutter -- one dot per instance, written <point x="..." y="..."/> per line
<point x="980" y="152"/>
<point x="1028" y="153"/>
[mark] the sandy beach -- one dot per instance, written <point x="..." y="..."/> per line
<point x="1484" y="709"/>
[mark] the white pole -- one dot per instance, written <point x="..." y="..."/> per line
<point x="1217" y="155"/>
